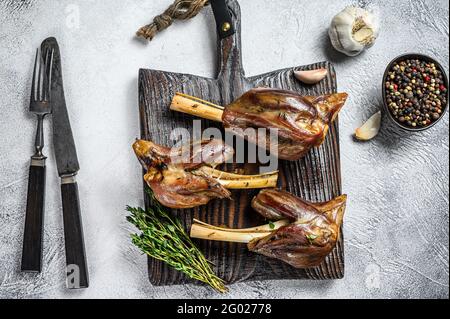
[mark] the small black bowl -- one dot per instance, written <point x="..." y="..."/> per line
<point x="421" y="57"/>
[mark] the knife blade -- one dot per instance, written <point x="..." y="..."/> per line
<point x="68" y="167"/>
<point x="63" y="141"/>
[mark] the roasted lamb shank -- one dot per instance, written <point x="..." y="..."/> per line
<point x="302" y="234"/>
<point x="302" y="122"/>
<point x="185" y="177"/>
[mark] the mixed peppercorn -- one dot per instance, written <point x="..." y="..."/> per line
<point x="416" y="92"/>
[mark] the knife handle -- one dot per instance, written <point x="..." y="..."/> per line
<point x="34" y="219"/>
<point x="77" y="271"/>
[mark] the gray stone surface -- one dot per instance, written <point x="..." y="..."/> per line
<point x="397" y="221"/>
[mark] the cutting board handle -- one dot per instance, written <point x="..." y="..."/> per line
<point x="229" y="47"/>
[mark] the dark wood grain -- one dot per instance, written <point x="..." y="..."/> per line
<point x="34" y="221"/>
<point x="316" y="177"/>
<point x="73" y="237"/>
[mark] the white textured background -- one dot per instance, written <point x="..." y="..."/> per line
<point x="397" y="221"/>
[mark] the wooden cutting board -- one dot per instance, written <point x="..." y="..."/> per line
<point x="317" y="177"/>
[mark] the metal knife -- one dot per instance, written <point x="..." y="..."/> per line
<point x="68" y="167"/>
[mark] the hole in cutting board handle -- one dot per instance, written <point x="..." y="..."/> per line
<point x="224" y="20"/>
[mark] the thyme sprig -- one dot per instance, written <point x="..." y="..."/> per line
<point x="164" y="238"/>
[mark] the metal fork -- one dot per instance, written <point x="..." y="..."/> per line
<point x="40" y="95"/>
<point x="39" y="105"/>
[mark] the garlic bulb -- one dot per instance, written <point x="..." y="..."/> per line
<point x="353" y="30"/>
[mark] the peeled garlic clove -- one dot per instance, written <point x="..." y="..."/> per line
<point x="311" y="76"/>
<point x="370" y="129"/>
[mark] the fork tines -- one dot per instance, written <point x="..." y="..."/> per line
<point x="40" y="87"/>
